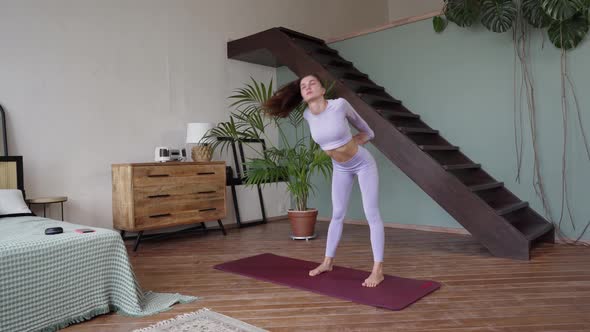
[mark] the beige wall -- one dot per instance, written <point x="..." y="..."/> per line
<point x="321" y="18"/>
<point x="407" y="8"/>
<point x="90" y="83"/>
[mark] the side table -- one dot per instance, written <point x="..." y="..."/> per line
<point x="48" y="200"/>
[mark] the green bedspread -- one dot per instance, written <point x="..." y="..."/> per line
<point x="50" y="281"/>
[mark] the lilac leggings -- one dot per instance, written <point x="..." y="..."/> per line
<point x="363" y="165"/>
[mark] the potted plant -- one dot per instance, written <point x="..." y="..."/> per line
<point x="293" y="160"/>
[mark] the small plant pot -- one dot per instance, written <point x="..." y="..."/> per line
<point x="303" y="224"/>
<point x="201" y="153"/>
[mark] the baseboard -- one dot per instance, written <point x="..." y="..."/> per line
<point x="179" y="229"/>
<point x="439" y="229"/>
<point x="569" y="241"/>
<point x="436" y="229"/>
<point x="277" y="218"/>
<point x="231" y="224"/>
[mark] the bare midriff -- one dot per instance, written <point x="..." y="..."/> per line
<point x="345" y="152"/>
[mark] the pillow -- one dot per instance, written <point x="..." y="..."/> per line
<point x="12" y="203"/>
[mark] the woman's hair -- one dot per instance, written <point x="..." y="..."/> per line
<point x="286" y="99"/>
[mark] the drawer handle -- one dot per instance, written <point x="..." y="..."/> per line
<point x="206" y="192"/>
<point x="210" y="209"/>
<point x="158" y="196"/>
<point x="205" y="173"/>
<point x="158" y="175"/>
<point x="160" y="215"/>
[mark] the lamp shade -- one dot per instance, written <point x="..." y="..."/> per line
<point x="195" y="131"/>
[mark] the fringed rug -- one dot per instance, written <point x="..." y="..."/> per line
<point x="202" y="320"/>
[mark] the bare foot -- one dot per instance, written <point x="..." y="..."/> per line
<point x="324" y="267"/>
<point x="376" y="276"/>
<point x="373" y="280"/>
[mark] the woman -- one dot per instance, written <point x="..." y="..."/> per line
<point x="328" y="123"/>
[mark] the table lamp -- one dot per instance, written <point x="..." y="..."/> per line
<point x="194" y="133"/>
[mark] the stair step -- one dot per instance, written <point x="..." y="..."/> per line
<point x="340" y="62"/>
<point x="409" y="130"/>
<point x="345" y="71"/>
<point x="398" y="114"/>
<point x="486" y="186"/>
<point x="461" y="166"/>
<point x="323" y="50"/>
<point x="377" y="98"/>
<point x="364" y="85"/>
<point x="534" y="231"/>
<point x="331" y="60"/>
<point x="299" y="35"/>
<point x="512" y="207"/>
<point x="438" y="147"/>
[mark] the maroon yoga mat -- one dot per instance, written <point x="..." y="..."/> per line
<point x="393" y="293"/>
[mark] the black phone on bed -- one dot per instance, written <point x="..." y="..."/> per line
<point x="53" y="230"/>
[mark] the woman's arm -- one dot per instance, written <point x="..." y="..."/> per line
<point x="356" y="120"/>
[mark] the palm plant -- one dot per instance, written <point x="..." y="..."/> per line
<point x="292" y="161"/>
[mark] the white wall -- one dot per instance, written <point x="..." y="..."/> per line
<point x="90" y="83"/>
<point x="321" y="18"/>
<point x="407" y="8"/>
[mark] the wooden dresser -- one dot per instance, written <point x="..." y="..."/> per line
<point x="157" y="195"/>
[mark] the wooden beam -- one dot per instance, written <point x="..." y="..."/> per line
<point x="392" y="24"/>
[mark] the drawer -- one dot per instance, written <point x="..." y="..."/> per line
<point x="168" y="192"/>
<point x="179" y="204"/>
<point x="209" y="212"/>
<point x="177" y="174"/>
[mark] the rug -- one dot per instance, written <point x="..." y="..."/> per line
<point x="393" y="293"/>
<point x="204" y="320"/>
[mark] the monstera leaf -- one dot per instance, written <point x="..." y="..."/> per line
<point x="534" y="13"/>
<point x="462" y="12"/>
<point x="439" y="23"/>
<point x="498" y="15"/>
<point x="569" y="33"/>
<point x="563" y="9"/>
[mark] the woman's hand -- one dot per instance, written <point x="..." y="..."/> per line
<point x="361" y="138"/>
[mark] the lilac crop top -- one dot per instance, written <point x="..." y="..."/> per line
<point x="330" y="128"/>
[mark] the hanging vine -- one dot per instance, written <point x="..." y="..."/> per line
<point x="566" y="24"/>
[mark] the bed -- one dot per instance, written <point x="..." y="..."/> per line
<point x="51" y="281"/>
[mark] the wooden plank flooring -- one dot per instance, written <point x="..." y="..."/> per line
<point x="479" y="293"/>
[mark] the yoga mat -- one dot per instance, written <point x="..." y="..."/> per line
<point x="393" y="293"/>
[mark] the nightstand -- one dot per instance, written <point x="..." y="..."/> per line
<point x="48" y="200"/>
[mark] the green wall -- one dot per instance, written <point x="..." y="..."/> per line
<point x="462" y="83"/>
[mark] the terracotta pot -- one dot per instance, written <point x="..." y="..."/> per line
<point x="303" y="223"/>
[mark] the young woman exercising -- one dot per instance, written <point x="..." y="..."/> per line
<point x="328" y="121"/>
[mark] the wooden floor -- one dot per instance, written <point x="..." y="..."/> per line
<point x="479" y="293"/>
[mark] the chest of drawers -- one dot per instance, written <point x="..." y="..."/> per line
<point x="157" y="195"/>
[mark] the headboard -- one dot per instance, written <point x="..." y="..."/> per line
<point x="11" y="173"/>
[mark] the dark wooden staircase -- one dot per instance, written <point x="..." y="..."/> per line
<point x="494" y="216"/>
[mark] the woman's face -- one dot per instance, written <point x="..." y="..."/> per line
<point x="311" y="88"/>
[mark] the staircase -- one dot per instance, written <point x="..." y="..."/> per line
<point x="494" y="216"/>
